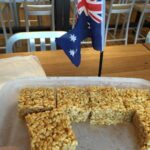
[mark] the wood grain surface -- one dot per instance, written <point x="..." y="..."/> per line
<point x="147" y="46"/>
<point x="119" y="61"/>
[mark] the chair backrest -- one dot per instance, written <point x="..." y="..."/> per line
<point x="40" y="1"/>
<point x="31" y="37"/>
<point x="74" y="12"/>
<point x="121" y="6"/>
<point x="118" y="7"/>
<point x="39" y="8"/>
<point x="2" y="24"/>
<point x="140" y="1"/>
<point x="146" y="8"/>
<point x="148" y="38"/>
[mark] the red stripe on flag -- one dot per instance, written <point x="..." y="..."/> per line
<point x="82" y="3"/>
<point x="94" y="7"/>
<point x="95" y="18"/>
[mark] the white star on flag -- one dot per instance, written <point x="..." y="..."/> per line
<point x="73" y="52"/>
<point x="73" y="38"/>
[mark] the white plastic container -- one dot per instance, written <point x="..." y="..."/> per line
<point x="13" y="131"/>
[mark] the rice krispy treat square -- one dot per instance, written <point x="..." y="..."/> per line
<point x="36" y="100"/>
<point x="107" y="107"/>
<point x="141" y="121"/>
<point x="74" y="101"/>
<point x="145" y="148"/>
<point x="50" y="130"/>
<point x="135" y="99"/>
<point x="100" y="93"/>
<point x="108" y="114"/>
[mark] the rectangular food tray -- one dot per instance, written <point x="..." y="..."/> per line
<point x="13" y="131"/>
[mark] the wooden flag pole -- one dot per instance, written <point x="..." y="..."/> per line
<point x="100" y="64"/>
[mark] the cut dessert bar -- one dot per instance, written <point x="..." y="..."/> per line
<point x="74" y="101"/>
<point x="141" y="121"/>
<point x="145" y="148"/>
<point x="107" y="107"/>
<point x="50" y="130"/>
<point x="134" y="99"/>
<point x="36" y="100"/>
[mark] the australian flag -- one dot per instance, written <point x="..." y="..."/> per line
<point x="90" y="23"/>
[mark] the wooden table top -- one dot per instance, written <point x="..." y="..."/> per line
<point x="147" y="46"/>
<point x="119" y="61"/>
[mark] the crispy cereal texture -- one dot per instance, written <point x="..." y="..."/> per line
<point x="107" y="107"/>
<point x="145" y="148"/>
<point x="33" y="100"/>
<point x="50" y="130"/>
<point x="50" y="127"/>
<point x="141" y="121"/>
<point x="75" y="102"/>
<point x="134" y="98"/>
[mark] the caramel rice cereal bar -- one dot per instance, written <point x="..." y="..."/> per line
<point x="145" y="148"/>
<point x="36" y="100"/>
<point x="50" y="130"/>
<point x="74" y="101"/>
<point x="141" y="121"/>
<point x="107" y="107"/>
<point x="135" y="99"/>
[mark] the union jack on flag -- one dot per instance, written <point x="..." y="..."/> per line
<point x="90" y="23"/>
<point x="92" y="8"/>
